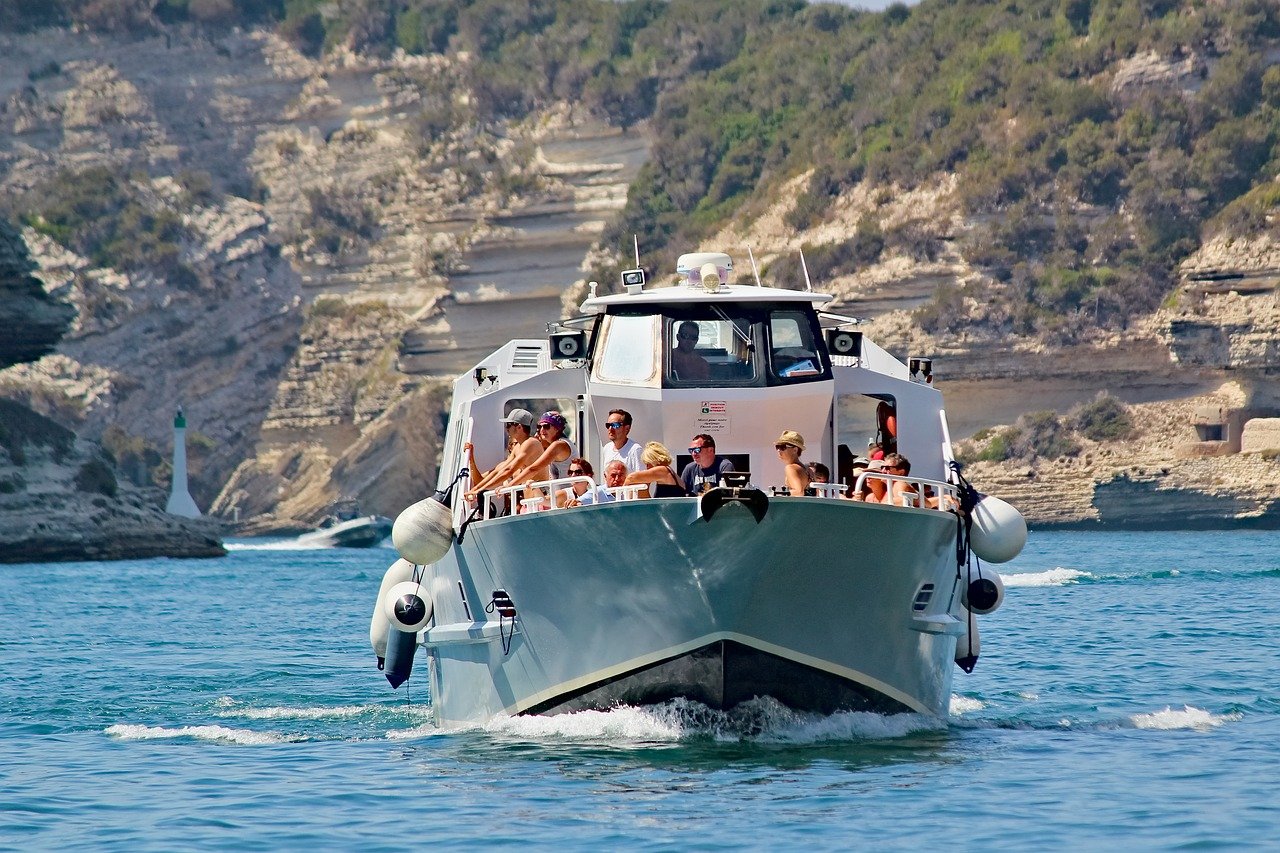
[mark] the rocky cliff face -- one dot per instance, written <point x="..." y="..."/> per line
<point x="31" y="320"/>
<point x="364" y="238"/>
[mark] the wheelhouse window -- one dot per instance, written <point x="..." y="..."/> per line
<point x="793" y="355"/>
<point x="740" y="345"/>
<point x="628" y="352"/>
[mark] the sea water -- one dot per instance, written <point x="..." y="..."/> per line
<point x="1128" y="696"/>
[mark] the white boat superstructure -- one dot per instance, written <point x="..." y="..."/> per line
<point x="822" y="602"/>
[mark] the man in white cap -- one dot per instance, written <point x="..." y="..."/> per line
<point x="524" y="450"/>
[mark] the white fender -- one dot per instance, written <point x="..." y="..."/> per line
<point x="984" y="593"/>
<point x="399" y="572"/>
<point x="999" y="531"/>
<point x="408" y="606"/>
<point x="966" y="654"/>
<point x="423" y="532"/>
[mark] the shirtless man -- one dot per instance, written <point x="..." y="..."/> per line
<point x="685" y="363"/>
<point x="524" y="450"/>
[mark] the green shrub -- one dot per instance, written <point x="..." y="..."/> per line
<point x="96" y="475"/>
<point x="1104" y="419"/>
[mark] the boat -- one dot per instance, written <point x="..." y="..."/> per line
<point x="823" y="603"/>
<point x="344" y="527"/>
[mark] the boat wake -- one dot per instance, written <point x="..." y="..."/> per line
<point x="680" y="720"/>
<point x="221" y="734"/>
<point x="274" y="545"/>
<point x="1196" y="719"/>
<point x="1053" y="577"/>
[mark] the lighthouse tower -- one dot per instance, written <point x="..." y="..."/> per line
<point x="180" y="502"/>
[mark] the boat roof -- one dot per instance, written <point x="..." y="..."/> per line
<point x="685" y="295"/>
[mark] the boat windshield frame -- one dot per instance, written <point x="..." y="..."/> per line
<point x="743" y="344"/>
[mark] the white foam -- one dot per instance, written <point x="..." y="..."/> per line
<point x="760" y="720"/>
<point x="965" y="704"/>
<point x="1053" y="577"/>
<point x="126" y="731"/>
<point x="1188" y="718"/>
<point x="274" y="545"/>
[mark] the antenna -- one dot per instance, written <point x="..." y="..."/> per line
<point x="808" y="285"/>
<point x="636" y="238"/>
<point x="754" y="271"/>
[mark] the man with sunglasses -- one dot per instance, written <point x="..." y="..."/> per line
<point x="620" y="444"/>
<point x="524" y="450"/>
<point x="705" y="471"/>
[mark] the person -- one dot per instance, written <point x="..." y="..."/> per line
<point x="524" y="449"/>
<point x="662" y="480"/>
<point x="582" y="493"/>
<point x="796" y="476"/>
<point x="819" y="473"/>
<point x="901" y="492"/>
<point x="704" y="471"/>
<point x="620" y="444"/>
<point x="844" y="466"/>
<point x="615" y="474"/>
<point x="887" y="427"/>
<point x="874" y="489"/>
<point x="553" y="462"/>
<point x="685" y="363"/>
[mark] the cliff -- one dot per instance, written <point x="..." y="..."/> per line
<point x="363" y="230"/>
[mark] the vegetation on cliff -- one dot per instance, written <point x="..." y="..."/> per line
<point x="1089" y="184"/>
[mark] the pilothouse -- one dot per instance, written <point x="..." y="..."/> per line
<point x="821" y="597"/>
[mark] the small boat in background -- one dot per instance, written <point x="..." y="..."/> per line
<point x="345" y="527"/>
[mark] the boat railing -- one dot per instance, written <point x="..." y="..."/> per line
<point x="540" y="496"/>
<point x="944" y="492"/>
<point x="628" y="493"/>
<point x="827" y="490"/>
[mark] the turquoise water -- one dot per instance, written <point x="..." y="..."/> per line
<point x="1128" y="696"/>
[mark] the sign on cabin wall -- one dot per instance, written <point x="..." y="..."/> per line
<point x="714" y="418"/>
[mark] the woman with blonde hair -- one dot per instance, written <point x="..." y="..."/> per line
<point x="796" y="474"/>
<point x="662" y="480"/>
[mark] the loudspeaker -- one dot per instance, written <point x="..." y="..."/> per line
<point x="567" y="345"/>
<point x="844" y="343"/>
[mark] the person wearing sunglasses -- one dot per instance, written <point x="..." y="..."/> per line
<point x="796" y="474"/>
<point x="582" y="493"/>
<point x="524" y="449"/>
<point x="557" y="451"/>
<point x="620" y="445"/>
<point x="703" y="473"/>
<point x="686" y="364"/>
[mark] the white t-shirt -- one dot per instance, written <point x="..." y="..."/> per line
<point x="629" y="453"/>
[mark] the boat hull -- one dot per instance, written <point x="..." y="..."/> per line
<point x="818" y="605"/>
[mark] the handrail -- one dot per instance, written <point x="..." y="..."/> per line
<point x="628" y="493"/>
<point x="531" y="503"/>
<point x="941" y="490"/>
<point x="828" y="490"/>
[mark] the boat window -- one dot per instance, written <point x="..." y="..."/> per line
<point x="626" y="352"/>
<point x="793" y="355"/>
<point x="709" y="350"/>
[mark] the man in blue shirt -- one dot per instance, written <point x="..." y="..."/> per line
<point x="704" y="471"/>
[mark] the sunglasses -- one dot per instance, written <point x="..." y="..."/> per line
<point x="613" y="425"/>
<point x="541" y="427"/>
<point x="699" y="449"/>
<point x="576" y="472"/>
<point x="782" y="446"/>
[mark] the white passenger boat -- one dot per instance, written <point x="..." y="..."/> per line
<point x="821" y="602"/>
